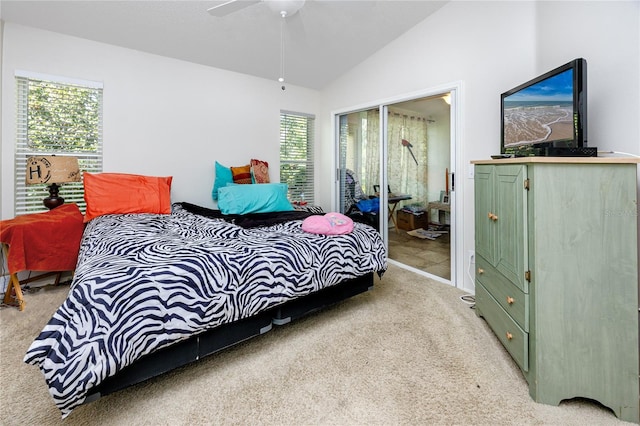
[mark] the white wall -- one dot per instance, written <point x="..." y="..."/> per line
<point x="492" y="47"/>
<point x="607" y="35"/>
<point x="161" y="116"/>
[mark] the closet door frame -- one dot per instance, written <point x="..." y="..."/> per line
<point x="456" y="175"/>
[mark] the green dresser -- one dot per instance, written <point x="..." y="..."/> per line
<point x="556" y="243"/>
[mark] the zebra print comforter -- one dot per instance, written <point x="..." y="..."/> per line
<point x="145" y="281"/>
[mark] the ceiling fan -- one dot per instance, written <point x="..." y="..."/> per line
<point x="284" y="8"/>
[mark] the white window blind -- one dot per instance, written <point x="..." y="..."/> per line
<point x="56" y="118"/>
<point x="296" y="154"/>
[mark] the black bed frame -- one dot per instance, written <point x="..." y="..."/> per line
<point x="227" y="335"/>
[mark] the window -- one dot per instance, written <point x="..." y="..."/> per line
<point x="61" y="118"/>
<point x="296" y="155"/>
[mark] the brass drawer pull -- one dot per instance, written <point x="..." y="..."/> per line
<point x="492" y="216"/>
<point x="480" y="271"/>
<point x="510" y="300"/>
<point x="509" y="336"/>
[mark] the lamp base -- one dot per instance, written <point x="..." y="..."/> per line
<point x="53" y="200"/>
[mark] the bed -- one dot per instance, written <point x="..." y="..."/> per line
<point x="152" y="292"/>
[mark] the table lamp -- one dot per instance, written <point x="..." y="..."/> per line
<point x="52" y="170"/>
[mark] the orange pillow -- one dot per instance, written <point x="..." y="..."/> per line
<point x="241" y="174"/>
<point x="117" y="193"/>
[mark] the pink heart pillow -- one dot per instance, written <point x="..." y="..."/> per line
<point x="329" y="224"/>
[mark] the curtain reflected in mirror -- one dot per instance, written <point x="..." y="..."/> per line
<point x="407" y="156"/>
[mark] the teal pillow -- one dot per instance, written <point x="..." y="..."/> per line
<point x="223" y="177"/>
<point x="256" y="198"/>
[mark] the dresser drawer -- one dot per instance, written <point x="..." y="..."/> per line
<point x="512" y="337"/>
<point x="510" y="297"/>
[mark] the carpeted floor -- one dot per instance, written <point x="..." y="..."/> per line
<point x="408" y="352"/>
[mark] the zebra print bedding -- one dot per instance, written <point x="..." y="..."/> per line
<point x="145" y="281"/>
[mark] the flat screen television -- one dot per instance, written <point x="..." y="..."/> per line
<point x="547" y="115"/>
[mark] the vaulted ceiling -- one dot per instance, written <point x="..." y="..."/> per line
<point x="322" y="41"/>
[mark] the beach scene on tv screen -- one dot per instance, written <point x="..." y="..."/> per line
<point x="542" y="112"/>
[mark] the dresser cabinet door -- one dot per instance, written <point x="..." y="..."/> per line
<point x="484" y="207"/>
<point x="511" y="225"/>
<point x="501" y="225"/>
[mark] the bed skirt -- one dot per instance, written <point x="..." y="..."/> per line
<point x="227" y="335"/>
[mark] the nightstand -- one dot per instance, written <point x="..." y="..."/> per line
<point x="47" y="241"/>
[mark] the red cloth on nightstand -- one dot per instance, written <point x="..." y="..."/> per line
<point x="47" y="241"/>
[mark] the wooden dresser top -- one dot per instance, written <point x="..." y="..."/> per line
<point x="561" y="160"/>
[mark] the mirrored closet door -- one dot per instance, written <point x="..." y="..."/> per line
<point x="394" y="172"/>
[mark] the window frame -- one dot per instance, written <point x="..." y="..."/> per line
<point x="306" y="190"/>
<point x="28" y="198"/>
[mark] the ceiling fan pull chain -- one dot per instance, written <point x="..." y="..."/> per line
<point x="282" y="22"/>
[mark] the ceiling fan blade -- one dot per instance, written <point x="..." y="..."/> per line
<point x="230" y="6"/>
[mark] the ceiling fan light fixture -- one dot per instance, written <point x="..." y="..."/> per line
<point x="285" y="8"/>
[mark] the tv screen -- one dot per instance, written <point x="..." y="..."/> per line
<point x="546" y="114"/>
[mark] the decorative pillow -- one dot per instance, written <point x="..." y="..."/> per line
<point x="329" y="224"/>
<point x="241" y="174"/>
<point x="243" y="199"/>
<point x="259" y="171"/>
<point x="116" y="193"/>
<point x="223" y="177"/>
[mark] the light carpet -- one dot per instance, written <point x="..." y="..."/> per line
<point x="408" y="352"/>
